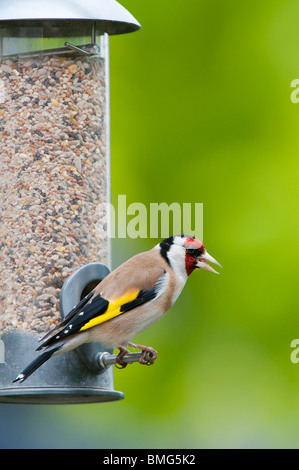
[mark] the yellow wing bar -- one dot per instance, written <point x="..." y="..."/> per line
<point x="114" y="309"/>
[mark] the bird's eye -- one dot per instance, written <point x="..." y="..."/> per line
<point x="195" y="252"/>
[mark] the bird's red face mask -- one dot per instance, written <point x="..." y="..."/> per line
<point x="197" y="256"/>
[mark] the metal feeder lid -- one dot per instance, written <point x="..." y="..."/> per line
<point x="114" y="17"/>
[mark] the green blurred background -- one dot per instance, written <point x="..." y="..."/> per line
<point x="201" y="112"/>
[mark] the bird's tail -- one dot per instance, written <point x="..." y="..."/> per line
<point x="41" y="359"/>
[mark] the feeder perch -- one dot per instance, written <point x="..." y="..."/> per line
<point x="54" y="187"/>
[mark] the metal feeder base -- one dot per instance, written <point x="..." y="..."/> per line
<point x="50" y="384"/>
<point x="58" y="396"/>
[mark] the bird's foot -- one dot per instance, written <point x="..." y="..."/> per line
<point x="145" y="350"/>
<point x="122" y="352"/>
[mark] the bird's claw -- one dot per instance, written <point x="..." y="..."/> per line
<point x="147" y="357"/>
<point x="148" y="362"/>
<point x="119" y="364"/>
<point x="144" y="350"/>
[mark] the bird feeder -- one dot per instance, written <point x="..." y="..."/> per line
<point x="54" y="187"/>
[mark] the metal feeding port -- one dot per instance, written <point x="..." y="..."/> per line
<point x="54" y="186"/>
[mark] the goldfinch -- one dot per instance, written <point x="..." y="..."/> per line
<point x="130" y="299"/>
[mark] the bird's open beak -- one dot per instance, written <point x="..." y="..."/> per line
<point x="201" y="262"/>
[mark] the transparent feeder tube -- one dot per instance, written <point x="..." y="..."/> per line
<point x="54" y="170"/>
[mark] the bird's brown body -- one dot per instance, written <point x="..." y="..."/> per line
<point x="142" y="272"/>
<point x="130" y="299"/>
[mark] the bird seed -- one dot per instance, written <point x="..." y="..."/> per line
<point x="53" y="182"/>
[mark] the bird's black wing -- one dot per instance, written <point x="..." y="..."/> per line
<point x="76" y="319"/>
<point x="96" y="311"/>
<point x="77" y="308"/>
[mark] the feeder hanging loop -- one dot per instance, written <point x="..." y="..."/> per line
<point x="87" y="49"/>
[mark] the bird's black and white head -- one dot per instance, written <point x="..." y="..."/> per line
<point x="184" y="254"/>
